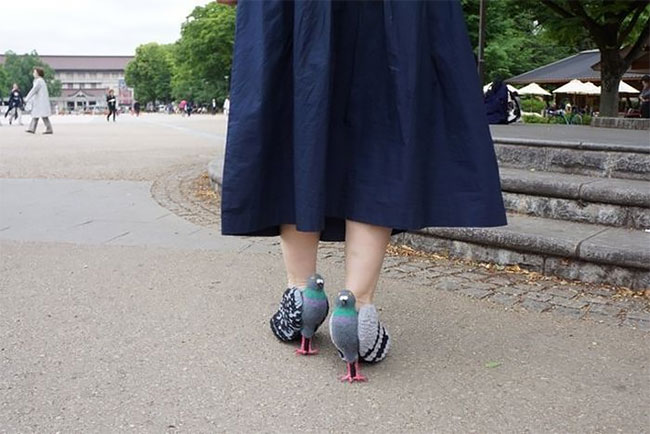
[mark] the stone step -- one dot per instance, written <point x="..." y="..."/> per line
<point x="592" y="253"/>
<point x="607" y="160"/>
<point x="604" y="201"/>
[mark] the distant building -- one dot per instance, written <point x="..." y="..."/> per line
<point x="585" y="66"/>
<point x="86" y="79"/>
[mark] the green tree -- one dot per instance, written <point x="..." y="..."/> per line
<point x="515" y="42"/>
<point x="19" y="69"/>
<point x="203" y="55"/>
<point x="150" y="72"/>
<point x="4" y="82"/>
<point x="611" y="25"/>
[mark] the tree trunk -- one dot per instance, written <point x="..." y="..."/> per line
<point x="611" y="72"/>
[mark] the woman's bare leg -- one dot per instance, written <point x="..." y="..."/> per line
<point x="365" y="247"/>
<point x="299" y="250"/>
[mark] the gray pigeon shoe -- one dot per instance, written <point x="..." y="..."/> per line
<point x="314" y="311"/>
<point x="374" y="341"/>
<point x="345" y="334"/>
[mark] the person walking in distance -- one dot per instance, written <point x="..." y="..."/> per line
<point x="111" y="102"/>
<point x="39" y="98"/>
<point x="136" y="108"/>
<point x="226" y="106"/>
<point x="15" y="104"/>
<point x="644" y="97"/>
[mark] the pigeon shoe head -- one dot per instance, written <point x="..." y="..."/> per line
<point x="345" y="299"/>
<point x="316" y="282"/>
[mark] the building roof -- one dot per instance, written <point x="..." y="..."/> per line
<point x="641" y="63"/>
<point x="579" y="66"/>
<point x="84" y="63"/>
<point x="69" y="93"/>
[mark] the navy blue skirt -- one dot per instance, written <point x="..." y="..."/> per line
<point x="370" y="111"/>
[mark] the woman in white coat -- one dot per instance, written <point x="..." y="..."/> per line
<point x="39" y="98"/>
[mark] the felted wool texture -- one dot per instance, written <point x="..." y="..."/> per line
<point x="374" y="341"/>
<point x="287" y="321"/>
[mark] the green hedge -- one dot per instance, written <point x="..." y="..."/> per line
<point x="532" y="105"/>
<point x="532" y="119"/>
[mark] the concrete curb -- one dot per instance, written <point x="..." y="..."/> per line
<point x="590" y="189"/>
<point x="571" y="144"/>
<point x="621" y="123"/>
<point x="627" y="163"/>
<point x="546" y="264"/>
<point x="215" y="173"/>
<point x="586" y="242"/>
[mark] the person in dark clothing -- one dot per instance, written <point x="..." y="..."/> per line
<point x="496" y="102"/>
<point x="188" y="108"/>
<point x="136" y="108"/>
<point x="111" y="101"/>
<point x="645" y="97"/>
<point x="16" y="103"/>
<point x="351" y="121"/>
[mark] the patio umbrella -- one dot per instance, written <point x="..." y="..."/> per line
<point x="533" y="89"/>
<point x="623" y="87"/>
<point x="575" y="87"/>
<point x="591" y="89"/>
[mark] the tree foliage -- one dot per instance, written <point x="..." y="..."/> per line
<point x="515" y="41"/>
<point x="4" y="82"/>
<point x="611" y="25"/>
<point x="196" y="67"/>
<point x="19" y="69"/>
<point x="203" y="55"/>
<point x="520" y="35"/>
<point x="524" y="34"/>
<point x="150" y="73"/>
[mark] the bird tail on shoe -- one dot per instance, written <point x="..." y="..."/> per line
<point x="374" y="341"/>
<point x="287" y="321"/>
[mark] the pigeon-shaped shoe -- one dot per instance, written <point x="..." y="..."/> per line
<point x="345" y="334"/>
<point x="374" y="340"/>
<point x="286" y="323"/>
<point x="315" y="308"/>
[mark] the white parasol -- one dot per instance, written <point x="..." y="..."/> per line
<point x="533" y="89"/>
<point x="573" y="87"/>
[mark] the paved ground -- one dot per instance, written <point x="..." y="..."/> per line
<point x="123" y="309"/>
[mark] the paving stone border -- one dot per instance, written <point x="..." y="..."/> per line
<point x="622" y="123"/>
<point x="517" y="290"/>
<point x="182" y="192"/>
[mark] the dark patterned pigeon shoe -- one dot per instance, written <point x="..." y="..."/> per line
<point x="374" y="341"/>
<point x="287" y="321"/>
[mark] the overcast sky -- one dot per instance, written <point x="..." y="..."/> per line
<point x="90" y="26"/>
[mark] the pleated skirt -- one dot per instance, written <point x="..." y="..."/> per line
<point x="369" y="111"/>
